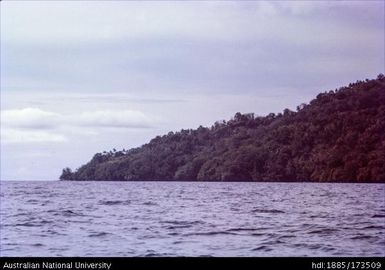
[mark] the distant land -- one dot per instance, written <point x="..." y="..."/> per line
<point x="338" y="137"/>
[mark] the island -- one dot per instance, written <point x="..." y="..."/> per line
<point x="338" y="137"/>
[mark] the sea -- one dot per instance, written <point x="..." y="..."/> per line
<point x="172" y="219"/>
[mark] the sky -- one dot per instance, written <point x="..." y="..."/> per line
<point x="81" y="77"/>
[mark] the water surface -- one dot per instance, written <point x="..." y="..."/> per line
<point x="191" y="219"/>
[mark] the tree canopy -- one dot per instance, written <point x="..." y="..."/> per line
<point x="338" y="137"/>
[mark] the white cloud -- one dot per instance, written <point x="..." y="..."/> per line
<point x="30" y="118"/>
<point x="37" y="125"/>
<point x="35" y="118"/>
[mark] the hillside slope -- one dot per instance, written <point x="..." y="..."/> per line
<point x="339" y="136"/>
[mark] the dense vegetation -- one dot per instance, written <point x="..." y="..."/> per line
<point x="338" y="136"/>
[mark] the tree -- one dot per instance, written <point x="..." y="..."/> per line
<point x="337" y="137"/>
<point x="66" y="174"/>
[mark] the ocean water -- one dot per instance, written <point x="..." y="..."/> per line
<point x="191" y="219"/>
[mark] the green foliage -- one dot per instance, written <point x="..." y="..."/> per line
<point x="66" y="174"/>
<point x="339" y="136"/>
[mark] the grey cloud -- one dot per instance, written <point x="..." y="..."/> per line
<point x="29" y="118"/>
<point x="37" y="119"/>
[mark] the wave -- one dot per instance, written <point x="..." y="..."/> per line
<point x="149" y="203"/>
<point x="373" y="227"/>
<point x="262" y="248"/>
<point x="65" y="213"/>
<point x="183" y="222"/>
<point x="210" y="233"/>
<point x="117" y="202"/>
<point x="27" y="224"/>
<point x="99" y="234"/>
<point x="244" y="229"/>
<point x="324" y="231"/>
<point x="378" y="216"/>
<point x="273" y="211"/>
<point x="361" y="237"/>
<point x="37" y="245"/>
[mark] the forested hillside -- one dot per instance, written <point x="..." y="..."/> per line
<point x="339" y="136"/>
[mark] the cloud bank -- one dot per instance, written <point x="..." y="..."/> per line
<point x="189" y="46"/>
<point x="29" y="118"/>
<point x="37" y="125"/>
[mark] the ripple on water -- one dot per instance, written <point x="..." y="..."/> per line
<point x="99" y="234"/>
<point x="38" y="223"/>
<point x="244" y="229"/>
<point x="268" y="211"/>
<point x="114" y="202"/>
<point x="191" y="219"/>
<point x="378" y="216"/>
<point x="180" y="224"/>
<point x="262" y="248"/>
<point x="211" y="233"/>
<point x="37" y="245"/>
<point x="362" y="237"/>
<point x="324" y="231"/>
<point x="150" y="203"/>
<point x="65" y="213"/>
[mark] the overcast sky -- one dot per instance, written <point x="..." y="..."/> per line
<point x="82" y="77"/>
